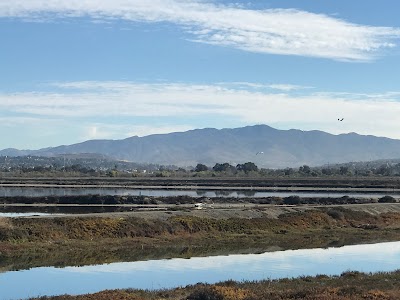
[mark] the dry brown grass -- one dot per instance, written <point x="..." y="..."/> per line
<point x="348" y="286"/>
<point x="5" y="223"/>
<point x="76" y="240"/>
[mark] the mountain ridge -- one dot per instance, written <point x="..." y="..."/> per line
<point x="281" y="148"/>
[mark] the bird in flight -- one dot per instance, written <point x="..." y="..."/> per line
<point x="259" y="153"/>
<point x="340" y="119"/>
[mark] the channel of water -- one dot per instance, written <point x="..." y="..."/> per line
<point x="29" y="214"/>
<point x="43" y="192"/>
<point x="62" y="191"/>
<point x="160" y="274"/>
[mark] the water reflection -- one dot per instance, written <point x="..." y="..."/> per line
<point x="25" y="211"/>
<point x="201" y="193"/>
<point x="247" y="193"/>
<point x="157" y="274"/>
<point x="43" y="192"/>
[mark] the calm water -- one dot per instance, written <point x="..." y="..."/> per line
<point x="28" y="214"/>
<point x="43" y="192"/>
<point x="157" y="274"/>
<point x="27" y="211"/>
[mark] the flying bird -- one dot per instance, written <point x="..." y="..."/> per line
<point x="259" y="153"/>
<point x="340" y="119"/>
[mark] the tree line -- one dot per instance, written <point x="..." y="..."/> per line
<point x="61" y="166"/>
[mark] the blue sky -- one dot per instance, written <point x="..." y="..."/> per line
<point x="76" y="70"/>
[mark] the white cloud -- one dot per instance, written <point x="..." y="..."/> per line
<point x="288" y="87"/>
<point x="92" y="103"/>
<point x="276" y="31"/>
<point x="283" y="87"/>
<point x="111" y="131"/>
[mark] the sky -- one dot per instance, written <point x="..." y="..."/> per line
<point x="74" y="70"/>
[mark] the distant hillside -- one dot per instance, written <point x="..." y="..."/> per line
<point x="281" y="148"/>
<point x="14" y="152"/>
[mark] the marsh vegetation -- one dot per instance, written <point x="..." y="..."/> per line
<point x="347" y="286"/>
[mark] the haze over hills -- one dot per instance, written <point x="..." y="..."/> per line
<point x="281" y="148"/>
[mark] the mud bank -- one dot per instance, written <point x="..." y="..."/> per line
<point x="89" y="239"/>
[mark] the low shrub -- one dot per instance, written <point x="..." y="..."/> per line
<point x="205" y="293"/>
<point x="387" y="199"/>
<point x="335" y="214"/>
<point x="292" y="200"/>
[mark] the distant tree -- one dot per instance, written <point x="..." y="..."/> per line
<point x="162" y="168"/>
<point x="39" y="169"/>
<point x="344" y="170"/>
<point x="265" y="172"/>
<point x="225" y="167"/>
<point x="327" y="171"/>
<point x="288" y="171"/>
<point x="396" y="169"/>
<point x="112" y="173"/>
<point x="247" y="167"/>
<point x="305" y="169"/>
<point x="201" y="168"/>
<point x="383" y="170"/>
<point x="182" y="170"/>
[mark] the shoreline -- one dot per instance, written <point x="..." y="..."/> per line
<point x="50" y="240"/>
<point x="350" y="285"/>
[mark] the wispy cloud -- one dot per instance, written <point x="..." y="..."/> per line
<point x="90" y="101"/>
<point x="288" y="87"/>
<point x="254" y="85"/>
<point x="275" y="31"/>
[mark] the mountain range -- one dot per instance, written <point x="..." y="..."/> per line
<point x="261" y="144"/>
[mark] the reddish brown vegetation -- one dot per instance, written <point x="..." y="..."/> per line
<point x="348" y="286"/>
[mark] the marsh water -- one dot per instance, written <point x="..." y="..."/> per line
<point x="33" y="211"/>
<point x="170" y="273"/>
<point x="63" y="191"/>
<point x="24" y="214"/>
<point x="21" y="211"/>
